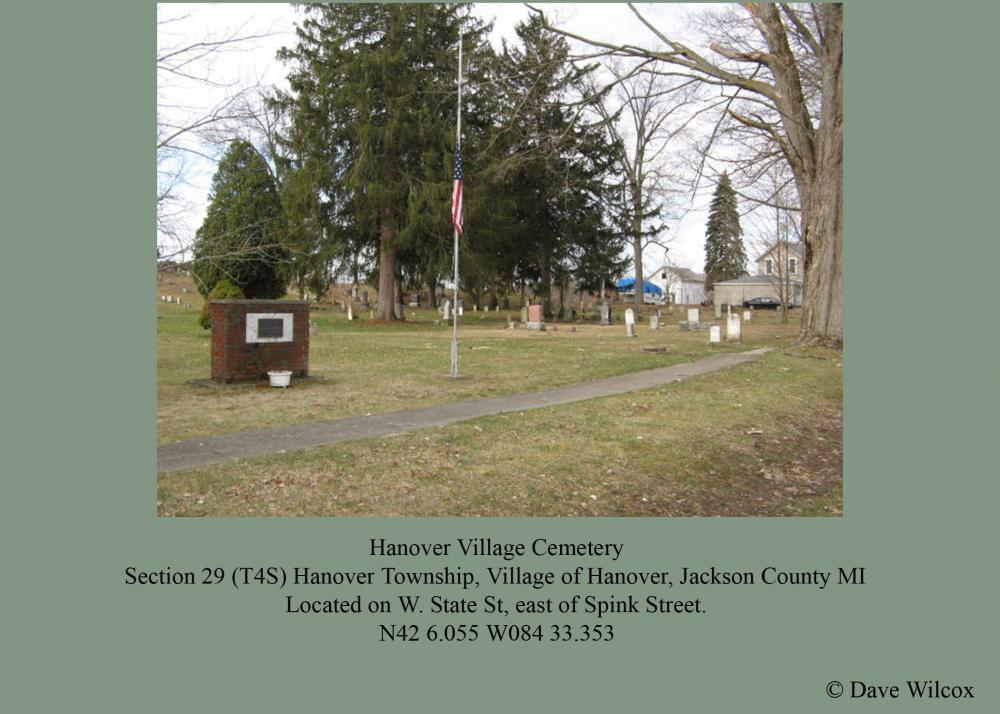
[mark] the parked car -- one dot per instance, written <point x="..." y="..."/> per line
<point x="763" y="303"/>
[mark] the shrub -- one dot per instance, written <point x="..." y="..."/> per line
<point x="223" y="290"/>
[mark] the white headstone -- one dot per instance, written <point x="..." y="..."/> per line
<point x="733" y="325"/>
<point x="350" y="312"/>
<point x="475" y="308"/>
<point x="715" y="333"/>
<point x="524" y="314"/>
<point x="654" y="322"/>
<point x="747" y="315"/>
<point x="693" y="315"/>
<point x="629" y="323"/>
<point x="461" y="310"/>
<point x="447" y="310"/>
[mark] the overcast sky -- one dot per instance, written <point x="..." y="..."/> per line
<point x="257" y="62"/>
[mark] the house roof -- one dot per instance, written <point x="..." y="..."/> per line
<point x="683" y="273"/>
<point x="795" y="248"/>
<point x="751" y="280"/>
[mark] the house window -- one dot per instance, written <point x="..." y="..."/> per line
<point x="791" y="266"/>
<point x="767" y="266"/>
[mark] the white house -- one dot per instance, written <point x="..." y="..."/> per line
<point x="683" y="286"/>
<point x="779" y="275"/>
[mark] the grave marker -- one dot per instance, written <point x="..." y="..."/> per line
<point x="693" y="315"/>
<point x="536" y="319"/>
<point x="715" y="334"/>
<point x="629" y="323"/>
<point x="733" y="325"/>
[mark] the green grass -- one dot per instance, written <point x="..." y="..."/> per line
<point x="763" y="438"/>
<point x="376" y="368"/>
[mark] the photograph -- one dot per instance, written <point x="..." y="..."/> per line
<point x="499" y="260"/>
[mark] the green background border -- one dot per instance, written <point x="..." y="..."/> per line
<point x="78" y="442"/>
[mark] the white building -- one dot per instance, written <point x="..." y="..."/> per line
<point x="779" y="275"/>
<point x="682" y="286"/>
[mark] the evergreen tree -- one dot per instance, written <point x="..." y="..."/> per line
<point x="373" y="103"/>
<point x="725" y="257"/>
<point x="241" y="237"/>
<point x="555" y="165"/>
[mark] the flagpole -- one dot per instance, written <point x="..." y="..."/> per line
<point x="458" y="144"/>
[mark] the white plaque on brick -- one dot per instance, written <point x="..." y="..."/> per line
<point x="269" y="327"/>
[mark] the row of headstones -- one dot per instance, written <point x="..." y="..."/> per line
<point x="734" y="330"/>
<point x="172" y="300"/>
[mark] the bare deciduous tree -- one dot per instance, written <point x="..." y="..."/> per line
<point x="783" y="84"/>
<point x="183" y="126"/>
<point x="643" y="113"/>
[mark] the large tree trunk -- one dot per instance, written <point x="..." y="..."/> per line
<point x="822" y="207"/>
<point x="545" y="285"/>
<point x="386" y="272"/>
<point x="822" y="304"/>
<point x="432" y="291"/>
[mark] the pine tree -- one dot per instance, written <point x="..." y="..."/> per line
<point x="725" y="257"/>
<point x="373" y="103"/>
<point x="241" y="237"/>
<point x="554" y="166"/>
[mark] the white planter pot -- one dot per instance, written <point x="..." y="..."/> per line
<point x="280" y="379"/>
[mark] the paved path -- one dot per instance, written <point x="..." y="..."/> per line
<point x="197" y="453"/>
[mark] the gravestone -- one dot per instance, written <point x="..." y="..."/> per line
<point x="498" y="307"/>
<point x="733" y="325"/>
<point x="693" y="315"/>
<point x="747" y="315"/>
<point x="654" y="322"/>
<point x="510" y="323"/>
<point x="524" y="314"/>
<point x="399" y="310"/>
<point x="715" y="334"/>
<point x="605" y="314"/>
<point x="629" y="323"/>
<point x="350" y="311"/>
<point x="535" y="318"/>
<point x="447" y="310"/>
<point x="718" y="311"/>
<point x="461" y="310"/>
<point x="475" y="308"/>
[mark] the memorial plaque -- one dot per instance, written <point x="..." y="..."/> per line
<point x="270" y="327"/>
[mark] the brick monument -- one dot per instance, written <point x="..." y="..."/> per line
<point x="252" y="337"/>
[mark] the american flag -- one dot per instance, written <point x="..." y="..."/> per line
<point x="456" y="192"/>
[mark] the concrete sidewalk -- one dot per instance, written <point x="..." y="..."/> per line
<point x="197" y="453"/>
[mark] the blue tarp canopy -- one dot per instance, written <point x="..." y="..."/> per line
<point x="647" y="287"/>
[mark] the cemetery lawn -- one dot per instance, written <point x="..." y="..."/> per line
<point x="761" y="439"/>
<point x="363" y="368"/>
